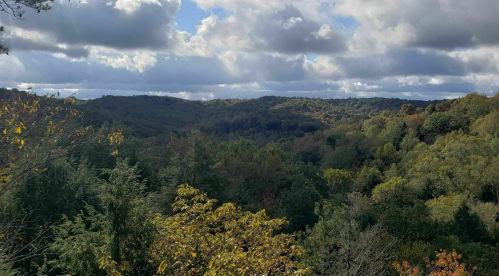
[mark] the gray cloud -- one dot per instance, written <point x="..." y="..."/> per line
<point x="285" y="31"/>
<point x="400" y="62"/>
<point x="399" y="48"/>
<point x="96" y="23"/>
<point x="288" y="31"/>
<point x="19" y="44"/>
<point x="443" y="24"/>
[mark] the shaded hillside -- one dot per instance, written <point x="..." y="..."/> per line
<point x="264" y="119"/>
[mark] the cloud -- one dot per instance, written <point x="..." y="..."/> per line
<point x="400" y="62"/>
<point x="131" y="6"/>
<point x="139" y="61"/>
<point x="129" y="25"/>
<point x="442" y="24"/>
<point x="285" y="30"/>
<point x="394" y="48"/>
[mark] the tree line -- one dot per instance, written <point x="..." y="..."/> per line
<point x="406" y="191"/>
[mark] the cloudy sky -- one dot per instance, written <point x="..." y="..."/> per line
<point x="204" y="49"/>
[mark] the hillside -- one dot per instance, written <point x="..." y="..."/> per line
<point x="385" y="180"/>
<point x="263" y="120"/>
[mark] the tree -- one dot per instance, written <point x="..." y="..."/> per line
<point x="339" y="181"/>
<point x="407" y="109"/>
<point x="338" y="245"/>
<point x="3" y="49"/>
<point x="443" y="106"/>
<point x="430" y="109"/>
<point x="37" y="129"/>
<point x="387" y="154"/>
<point x="468" y="226"/>
<point x="367" y="179"/>
<point x="117" y="240"/>
<point x="298" y="205"/>
<point x="201" y="240"/>
<point x="437" y="123"/>
<point x="397" y="189"/>
<point x="445" y="264"/>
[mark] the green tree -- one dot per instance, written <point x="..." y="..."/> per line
<point x="436" y="124"/>
<point x="367" y="179"/>
<point x="469" y="226"/>
<point x="339" y="181"/>
<point x="430" y="109"/>
<point x="338" y="245"/>
<point x="117" y="240"/>
<point x="298" y="205"/>
<point x="394" y="190"/>
<point x="387" y="154"/>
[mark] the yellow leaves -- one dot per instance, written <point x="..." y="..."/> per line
<point x="201" y="240"/>
<point x="111" y="267"/>
<point x="162" y="267"/>
<point x="5" y="131"/>
<point x="116" y="137"/>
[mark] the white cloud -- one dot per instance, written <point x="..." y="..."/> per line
<point x="131" y="6"/>
<point x="135" y="61"/>
<point x="24" y="86"/>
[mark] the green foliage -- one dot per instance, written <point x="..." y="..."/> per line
<point x="121" y="235"/>
<point x="387" y="154"/>
<point x="394" y="190"/>
<point x="338" y="245"/>
<point x="339" y="181"/>
<point x="437" y="124"/>
<point x="367" y="179"/>
<point x="367" y="187"/>
<point x="469" y="227"/>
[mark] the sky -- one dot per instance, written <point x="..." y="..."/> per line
<point x="208" y="49"/>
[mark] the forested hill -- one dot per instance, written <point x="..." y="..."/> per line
<point x="320" y="186"/>
<point x="262" y="120"/>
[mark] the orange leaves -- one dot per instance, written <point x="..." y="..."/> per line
<point x="405" y="269"/>
<point x="446" y="264"/>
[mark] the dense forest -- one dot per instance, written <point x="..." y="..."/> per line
<point x="271" y="186"/>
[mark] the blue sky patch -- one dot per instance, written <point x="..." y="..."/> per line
<point x="189" y="16"/>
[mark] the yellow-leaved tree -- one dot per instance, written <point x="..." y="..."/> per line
<point x="203" y="240"/>
<point x="37" y="129"/>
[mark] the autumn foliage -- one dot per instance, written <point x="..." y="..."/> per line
<point x="202" y="240"/>
<point x="446" y="264"/>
